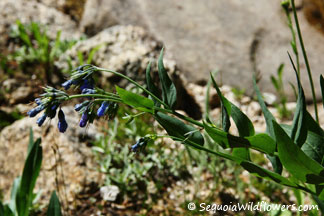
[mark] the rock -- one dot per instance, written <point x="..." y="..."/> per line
<point x="22" y="93"/>
<point x="238" y="38"/>
<point x="32" y="11"/>
<point x="73" y="160"/>
<point x="128" y="50"/>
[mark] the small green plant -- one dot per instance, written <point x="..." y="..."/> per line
<point x="22" y="195"/>
<point x="279" y="86"/>
<point x="239" y="93"/>
<point x="37" y="48"/>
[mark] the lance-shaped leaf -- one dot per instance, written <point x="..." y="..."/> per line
<point x="276" y="164"/>
<point x="137" y="101"/>
<point x="296" y="161"/>
<point x="226" y="107"/>
<point x="261" y="142"/>
<point x="150" y="84"/>
<point x="54" y="207"/>
<point x="313" y="126"/>
<point x="313" y="146"/>
<point x="179" y="129"/>
<point x="169" y="92"/>
<point x="242" y="122"/>
<point x="28" y="179"/>
<point x="299" y="129"/>
<point x="249" y="166"/>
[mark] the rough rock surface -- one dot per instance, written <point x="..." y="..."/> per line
<point x="128" y="50"/>
<point x="125" y="49"/>
<point x="73" y="161"/>
<point x="32" y="11"/>
<point x="236" y="37"/>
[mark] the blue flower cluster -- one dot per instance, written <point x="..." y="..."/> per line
<point x="52" y="99"/>
<point x="82" y="77"/>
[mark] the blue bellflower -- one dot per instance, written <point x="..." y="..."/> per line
<point x="79" y="106"/>
<point x="140" y="144"/>
<point x="33" y="112"/>
<point x="62" y="124"/>
<point x="102" y="109"/>
<point x="41" y="120"/>
<point x="84" y="119"/>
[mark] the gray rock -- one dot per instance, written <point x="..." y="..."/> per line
<point x="125" y="49"/>
<point x="236" y="37"/>
<point x="73" y="159"/>
<point x="128" y="50"/>
<point x="32" y="11"/>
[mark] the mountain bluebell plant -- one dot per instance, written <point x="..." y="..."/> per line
<point x="297" y="148"/>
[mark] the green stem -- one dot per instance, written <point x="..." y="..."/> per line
<point x="94" y="96"/>
<point x="135" y="83"/>
<point x="294" y="41"/>
<point x="188" y="119"/>
<point x="305" y="58"/>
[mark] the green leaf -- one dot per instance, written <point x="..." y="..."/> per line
<point x="150" y="84"/>
<point x="275" y="83"/>
<point x="312" y="125"/>
<point x="23" y="34"/>
<point x="322" y="88"/>
<point x="137" y="101"/>
<point x="5" y="210"/>
<point x="28" y="179"/>
<point x="1" y="208"/>
<point x="299" y="129"/>
<point x="31" y="140"/>
<point x="242" y="122"/>
<point x="177" y="128"/>
<point x="226" y="107"/>
<point x="276" y="164"/>
<point x="169" y="92"/>
<point x="313" y="146"/>
<point x="296" y="161"/>
<point x="14" y="192"/>
<point x="54" y="207"/>
<point x="92" y="53"/>
<point x="261" y="142"/>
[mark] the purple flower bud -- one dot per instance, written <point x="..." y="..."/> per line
<point x="102" y="109"/>
<point x="88" y="91"/>
<point x="33" y="112"/>
<point x="78" y="107"/>
<point x="41" y="120"/>
<point x="67" y="84"/>
<point x="62" y="124"/>
<point x="84" y="119"/>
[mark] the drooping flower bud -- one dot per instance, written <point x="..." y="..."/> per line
<point x="78" y="107"/>
<point x="33" y="112"/>
<point x="84" y="119"/>
<point x="140" y="144"/>
<point x="41" y="120"/>
<point x="62" y="124"/>
<point x="102" y="109"/>
<point x="67" y="84"/>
